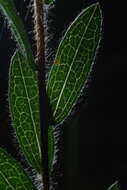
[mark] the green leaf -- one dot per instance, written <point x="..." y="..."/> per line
<point x="73" y="62"/>
<point x="48" y="1"/>
<point x="17" y="28"/>
<point x="115" y="186"/>
<point x="24" y="108"/>
<point x="12" y="175"/>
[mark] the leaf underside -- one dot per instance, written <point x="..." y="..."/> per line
<point x="73" y="62"/>
<point x="12" y="175"/>
<point x="24" y="108"/>
<point x="115" y="186"/>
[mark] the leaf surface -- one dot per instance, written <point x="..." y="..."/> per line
<point x="115" y="186"/>
<point x="12" y="175"/>
<point x="17" y="28"/>
<point x="24" y="107"/>
<point x="73" y="62"/>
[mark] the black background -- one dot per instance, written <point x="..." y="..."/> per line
<point x="95" y="148"/>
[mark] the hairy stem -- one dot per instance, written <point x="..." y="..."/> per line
<point x="40" y="61"/>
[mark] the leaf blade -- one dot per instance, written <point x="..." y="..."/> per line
<point x="73" y="62"/>
<point x="17" y="28"/>
<point x="23" y="82"/>
<point x="24" y="108"/>
<point x="12" y="175"/>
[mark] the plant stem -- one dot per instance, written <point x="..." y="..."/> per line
<point x="40" y="61"/>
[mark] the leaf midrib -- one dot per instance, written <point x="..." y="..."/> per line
<point x="62" y="114"/>
<point x="73" y="62"/>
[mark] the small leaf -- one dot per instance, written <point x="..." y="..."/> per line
<point x="24" y="108"/>
<point x="73" y="62"/>
<point x="12" y="175"/>
<point x="17" y="28"/>
<point x="115" y="186"/>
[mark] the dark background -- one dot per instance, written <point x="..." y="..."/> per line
<point x="95" y="146"/>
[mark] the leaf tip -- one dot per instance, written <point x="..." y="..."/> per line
<point x="98" y="8"/>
